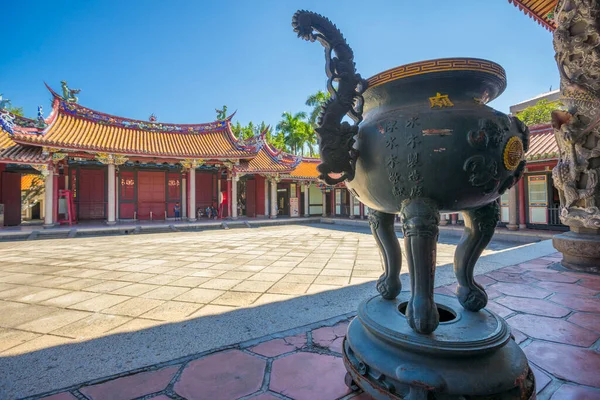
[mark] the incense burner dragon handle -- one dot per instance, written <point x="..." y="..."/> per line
<point x="336" y="138"/>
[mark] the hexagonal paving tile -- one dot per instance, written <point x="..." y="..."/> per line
<point x="309" y="376"/>
<point x="553" y="329"/>
<point x="330" y="337"/>
<point x="566" y="362"/>
<point x="132" y="386"/>
<point x="571" y="392"/>
<point x="222" y="376"/>
<point x="276" y="347"/>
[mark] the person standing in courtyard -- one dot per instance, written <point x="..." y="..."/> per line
<point x="177" y="211"/>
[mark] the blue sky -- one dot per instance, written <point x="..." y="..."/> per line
<point x="182" y="59"/>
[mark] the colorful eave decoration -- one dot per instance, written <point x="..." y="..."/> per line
<point x="543" y="14"/>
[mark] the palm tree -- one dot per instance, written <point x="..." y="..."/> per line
<point x="315" y="101"/>
<point x="291" y="126"/>
<point x="310" y="137"/>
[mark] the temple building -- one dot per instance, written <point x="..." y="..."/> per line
<point x="534" y="202"/>
<point x="113" y="169"/>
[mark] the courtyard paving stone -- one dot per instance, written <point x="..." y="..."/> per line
<point x="570" y="392"/>
<point x="228" y="375"/>
<point x="137" y="290"/>
<point x="308" y="365"/>
<point x="132" y="386"/>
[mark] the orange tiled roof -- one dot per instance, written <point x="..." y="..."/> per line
<point x="269" y="160"/>
<point x="307" y="169"/>
<point x="542" y="144"/>
<point x="539" y="10"/>
<point x="12" y="152"/>
<point x="75" y="127"/>
<point x="5" y="140"/>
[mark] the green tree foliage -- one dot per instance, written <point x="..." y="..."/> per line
<point x="250" y="130"/>
<point x="540" y="113"/>
<point x="294" y="133"/>
<point x="316" y="101"/>
<point x="16" y="111"/>
<point x="293" y="127"/>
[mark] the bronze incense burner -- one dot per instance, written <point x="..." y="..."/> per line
<point x="423" y="140"/>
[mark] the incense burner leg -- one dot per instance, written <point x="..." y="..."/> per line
<point x="479" y="229"/>
<point x="420" y="226"/>
<point x="382" y="227"/>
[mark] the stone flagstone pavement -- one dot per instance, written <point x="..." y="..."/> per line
<point x="554" y="315"/>
<point x="66" y="290"/>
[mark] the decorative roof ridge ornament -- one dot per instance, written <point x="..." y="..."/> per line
<point x="69" y="94"/>
<point x="255" y="143"/>
<point x="221" y="114"/>
<point x="40" y="122"/>
<point x="4" y="103"/>
<point x="77" y="110"/>
<point x="6" y="117"/>
<point x="7" y="121"/>
<point x="152" y="117"/>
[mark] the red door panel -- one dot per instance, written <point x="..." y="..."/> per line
<point x="251" y="198"/>
<point x="204" y="190"/>
<point x="90" y="196"/>
<point x="11" y="198"/>
<point x="151" y="195"/>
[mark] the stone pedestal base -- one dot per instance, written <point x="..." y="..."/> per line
<point x="470" y="355"/>
<point x="512" y="227"/>
<point x="581" y="251"/>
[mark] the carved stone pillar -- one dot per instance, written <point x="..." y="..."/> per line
<point x="306" y="199"/>
<point x="112" y="198"/>
<point x="273" y="198"/>
<point x="111" y="161"/>
<point x="352" y="206"/>
<point x="266" y="197"/>
<point x="512" y="209"/>
<point x="192" y="205"/>
<point x="577" y="132"/>
<point x="521" y="195"/>
<point x="183" y="196"/>
<point x="48" y="197"/>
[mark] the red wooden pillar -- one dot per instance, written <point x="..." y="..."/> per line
<point x="2" y="168"/>
<point x="454" y="218"/>
<point x="229" y="193"/>
<point x="522" y="222"/>
<point x="361" y="208"/>
<point x="55" y="196"/>
<point x="332" y="197"/>
<point x="187" y="196"/>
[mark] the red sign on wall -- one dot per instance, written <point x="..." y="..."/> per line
<point x="127" y="185"/>
<point x="174" y="186"/>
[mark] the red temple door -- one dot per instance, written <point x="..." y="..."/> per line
<point x="151" y="195"/>
<point x="251" y="198"/>
<point x="90" y="196"/>
<point x="11" y="198"/>
<point x="204" y="190"/>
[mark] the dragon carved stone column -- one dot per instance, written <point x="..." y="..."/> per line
<point x="577" y="132"/>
